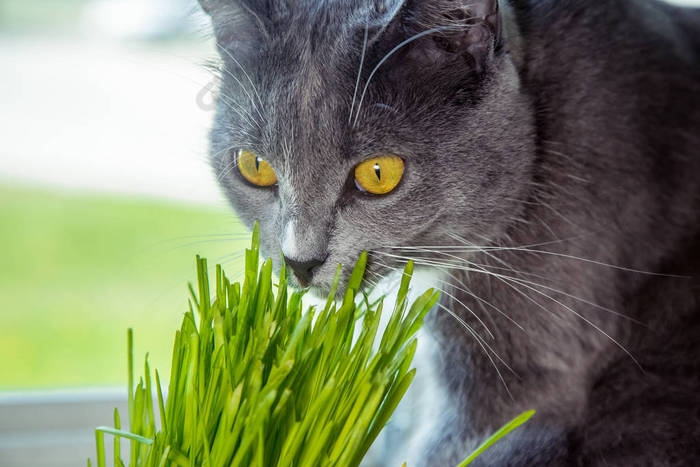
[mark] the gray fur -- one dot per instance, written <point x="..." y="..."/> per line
<point x="572" y="125"/>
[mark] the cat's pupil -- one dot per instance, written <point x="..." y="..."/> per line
<point x="378" y="171"/>
<point x="257" y="164"/>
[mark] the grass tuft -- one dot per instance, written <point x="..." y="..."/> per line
<point x="257" y="381"/>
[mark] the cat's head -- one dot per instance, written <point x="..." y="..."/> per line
<point x="349" y="125"/>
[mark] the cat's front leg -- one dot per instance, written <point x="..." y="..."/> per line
<point x="437" y="433"/>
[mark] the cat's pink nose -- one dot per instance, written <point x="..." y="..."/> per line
<point x="304" y="270"/>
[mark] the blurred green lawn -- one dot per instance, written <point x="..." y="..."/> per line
<point x="77" y="270"/>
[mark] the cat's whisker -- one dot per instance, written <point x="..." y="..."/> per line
<point x="373" y="283"/>
<point x="498" y="259"/>
<point x="558" y="214"/>
<point x="505" y="268"/>
<point x="211" y="241"/>
<point x="509" y="280"/>
<point x="387" y="56"/>
<point x="457" y="317"/>
<point x="551" y="289"/>
<point x="252" y="84"/>
<point x="232" y="103"/>
<point x="568" y="145"/>
<point x="214" y="88"/>
<point x="227" y="235"/>
<point x="482" y="301"/>
<point x="244" y="115"/>
<point x="481" y="268"/>
<point x="485" y="347"/>
<point x="541" y="202"/>
<point x="231" y="255"/>
<point x="467" y="268"/>
<point x="227" y="169"/>
<point x="531" y="249"/>
<point x="579" y="315"/>
<point x="256" y="106"/>
<point x="460" y="260"/>
<point x="579" y="299"/>
<point x="222" y="237"/>
<point x="229" y="258"/>
<point x="359" y="72"/>
<point x="543" y="223"/>
<point x="585" y="260"/>
<point x="287" y="151"/>
<point x="470" y="247"/>
<point x="453" y="298"/>
<point x="215" y="84"/>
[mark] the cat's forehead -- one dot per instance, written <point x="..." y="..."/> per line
<point x="330" y="11"/>
<point x="254" y="27"/>
<point x="299" y="54"/>
<point x="303" y="70"/>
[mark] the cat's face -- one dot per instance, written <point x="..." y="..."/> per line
<point x="444" y="113"/>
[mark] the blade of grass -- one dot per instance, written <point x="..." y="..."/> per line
<point x="510" y="426"/>
<point x="124" y="434"/>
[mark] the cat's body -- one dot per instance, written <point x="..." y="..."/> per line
<point x="561" y="137"/>
<point x="618" y="108"/>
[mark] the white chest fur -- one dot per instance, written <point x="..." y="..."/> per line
<point x="424" y="411"/>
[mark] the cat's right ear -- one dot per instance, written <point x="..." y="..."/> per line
<point x="237" y="24"/>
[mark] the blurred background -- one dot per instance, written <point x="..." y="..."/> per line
<point x="105" y="198"/>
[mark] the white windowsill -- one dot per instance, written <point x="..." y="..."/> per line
<point x="57" y="428"/>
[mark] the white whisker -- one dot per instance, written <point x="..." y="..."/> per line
<point x="255" y="105"/>
<point x="359" y="72"/>
<point x="485" y="347"/>
<point x="386" y="57"/>
<point x="455" y="299"/>
<point x="481" y="268"/>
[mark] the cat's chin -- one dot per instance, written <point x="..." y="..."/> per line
<point x="317" y="291"/>
<point x="321" y="291"/>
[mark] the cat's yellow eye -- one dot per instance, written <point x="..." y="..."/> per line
<point x="255" y="170"/>
<point x="379" y="175"/>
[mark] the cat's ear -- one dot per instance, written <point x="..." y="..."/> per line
<point x="471" y="28"/>
<point x="236" y="23"/>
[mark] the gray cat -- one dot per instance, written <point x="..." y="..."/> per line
<point x="540" y="158"/>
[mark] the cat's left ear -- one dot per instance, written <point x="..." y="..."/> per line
<point x="471" y="28"/>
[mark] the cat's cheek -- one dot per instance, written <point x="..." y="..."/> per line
<point x="251" y="204"/>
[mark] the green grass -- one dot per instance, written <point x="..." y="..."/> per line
<point x="78" y="270"/>
<point x="257" y="380"/>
